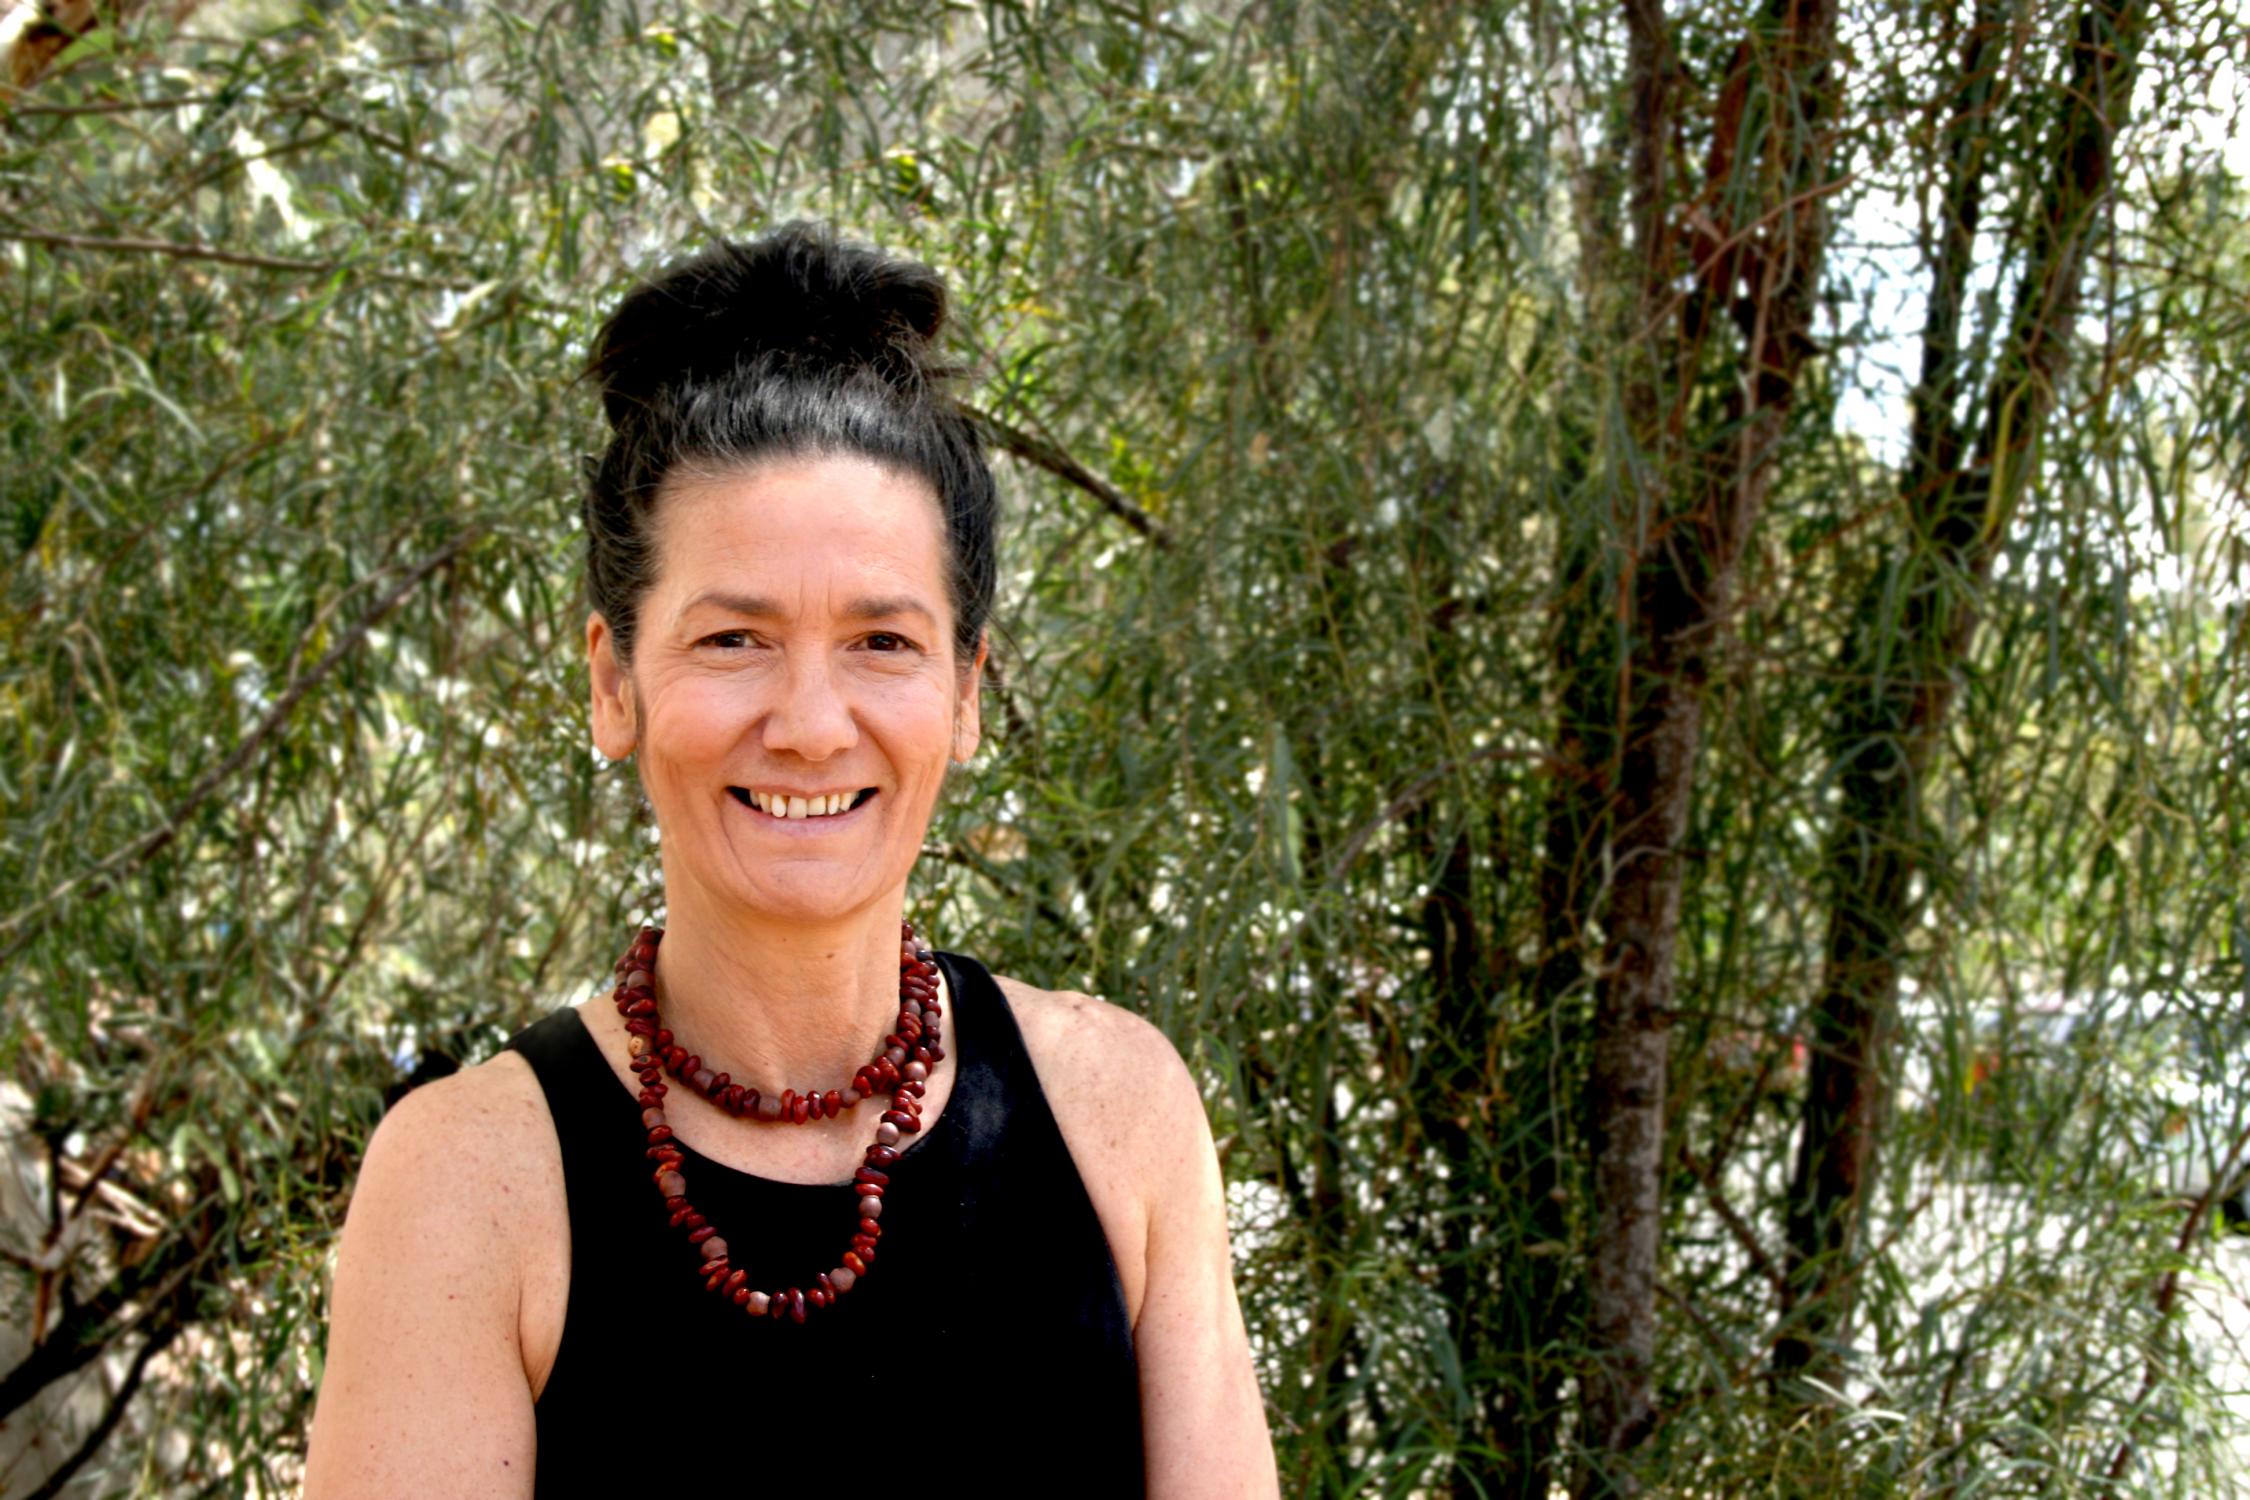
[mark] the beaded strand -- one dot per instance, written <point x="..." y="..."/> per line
<point x="902" y="1069"/>
<point x="907" y="1053"/>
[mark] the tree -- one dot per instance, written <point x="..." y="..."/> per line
<point x="1447" y="536"/>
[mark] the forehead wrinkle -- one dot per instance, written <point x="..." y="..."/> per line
<point x="888" y="608"/>
<point x="755" y="605"/>
<point x="710" y="530"/>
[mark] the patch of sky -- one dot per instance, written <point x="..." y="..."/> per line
<point x="1878" y="248"/>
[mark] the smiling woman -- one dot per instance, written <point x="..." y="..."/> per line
<point x="792" y="652"/>
<point x="994" y="1246"/>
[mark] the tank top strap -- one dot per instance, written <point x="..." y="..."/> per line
<point x="597" y="1124"/>
<point x="582" y="1092"/>
<point x="995" y="1088"/>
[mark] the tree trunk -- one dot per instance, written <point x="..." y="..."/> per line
<point x="1898" y="668"/>
<point x="1692" y="519"/>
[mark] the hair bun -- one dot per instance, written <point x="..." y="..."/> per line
<point x="796" y="300"/>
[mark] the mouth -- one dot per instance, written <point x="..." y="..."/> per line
<point x="793" y="808"/>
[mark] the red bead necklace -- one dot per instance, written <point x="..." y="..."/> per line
<point x="907" y="1054"/>
<point x="900" y="1069"/>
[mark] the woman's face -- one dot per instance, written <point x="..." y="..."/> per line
<point x="794" y="655"/>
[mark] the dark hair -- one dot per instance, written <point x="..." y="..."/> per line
<point x="790" y="345"/>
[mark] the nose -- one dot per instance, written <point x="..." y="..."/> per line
<point x="812" y="720"/>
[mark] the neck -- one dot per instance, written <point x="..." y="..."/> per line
<point x="780" y="1004"/>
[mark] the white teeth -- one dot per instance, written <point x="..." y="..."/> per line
<point x="781" y="805"/>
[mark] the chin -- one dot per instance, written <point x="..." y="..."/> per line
<point x="805" y="897"/>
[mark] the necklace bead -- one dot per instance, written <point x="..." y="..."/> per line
<point x="906" y="1054"/>
<point x="900" y="1072"/>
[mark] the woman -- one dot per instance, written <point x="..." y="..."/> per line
<point x="986" y="1243"/>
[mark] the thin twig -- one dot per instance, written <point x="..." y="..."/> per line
<point x="1142" y="18"/>
<point x="127" y="106"/>
<point x="1400" y="805"/>
<point x="2168" y="1291"/>
<point x="1737" y="1226"/>
<point x="968" y="859"/>
<point x="144" y="1104"/>
<point x="395" y="144"/>
<point x="220" y="255"/>
<point x="1043" y="454"/>
<point x="1406" y="801"/>
<point x="104" y="874"/>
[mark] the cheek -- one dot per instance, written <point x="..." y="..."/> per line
<point x="691" y="724"/>
<point x="919" y="728"/>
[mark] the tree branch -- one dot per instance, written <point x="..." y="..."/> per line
<point x="220" y="255"/>
<point x="152" y="1346"/>
<point x="164" y="1287"/>
<point x="106" y="873"/>
<point x="1043" y="454"/>
<point x="2168" y="1291"/>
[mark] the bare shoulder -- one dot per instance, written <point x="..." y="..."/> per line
<point x="501" y="1093"/>
<point x="464" y="1180"/>
<point x="1086" y="1043"/>
<point x="432" y="1355"/>
<point x="1127" y="1108"/>
<point x="481" y="1136"/>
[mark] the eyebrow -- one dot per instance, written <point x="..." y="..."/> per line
<point x="757" y="606"/>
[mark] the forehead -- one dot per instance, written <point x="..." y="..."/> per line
<point x="788" y="525"/>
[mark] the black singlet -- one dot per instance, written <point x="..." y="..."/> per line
<point x="989" y="1341"/>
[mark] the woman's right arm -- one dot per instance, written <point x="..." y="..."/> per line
<point x="425" y="1390"/>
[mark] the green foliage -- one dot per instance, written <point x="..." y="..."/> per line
<point x="297" y="792"/>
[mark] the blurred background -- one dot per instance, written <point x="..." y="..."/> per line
<point x="1627" y="621"/>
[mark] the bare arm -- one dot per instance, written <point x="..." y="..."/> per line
<point x="425" y="1391"/>
<point x="1204" y="1422"/>
<point x="1133" y="1120"/>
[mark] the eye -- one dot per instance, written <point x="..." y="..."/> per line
<point x="727" y="640"/>
<point x="885" y="640"/>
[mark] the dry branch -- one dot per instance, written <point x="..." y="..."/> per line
<point x="1043" y="454"/>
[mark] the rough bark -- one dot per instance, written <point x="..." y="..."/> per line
<point x="1696" y="498"/>
<point x="154" y="1296"/>
<point x="1899" y="668"/>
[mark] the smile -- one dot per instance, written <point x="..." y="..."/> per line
<point x="795" y="806"/>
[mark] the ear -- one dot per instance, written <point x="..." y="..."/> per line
<point x="968" y="720"/>
<point x="613" y="691"/>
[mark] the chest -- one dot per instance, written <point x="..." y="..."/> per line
<point x="994" y="1237"/>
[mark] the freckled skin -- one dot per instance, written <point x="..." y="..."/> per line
<point x="1130" y="1113"/>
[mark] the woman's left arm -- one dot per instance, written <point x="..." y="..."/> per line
<point x="1203" y="1420"/>
<point x="1132" y="1117"/>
